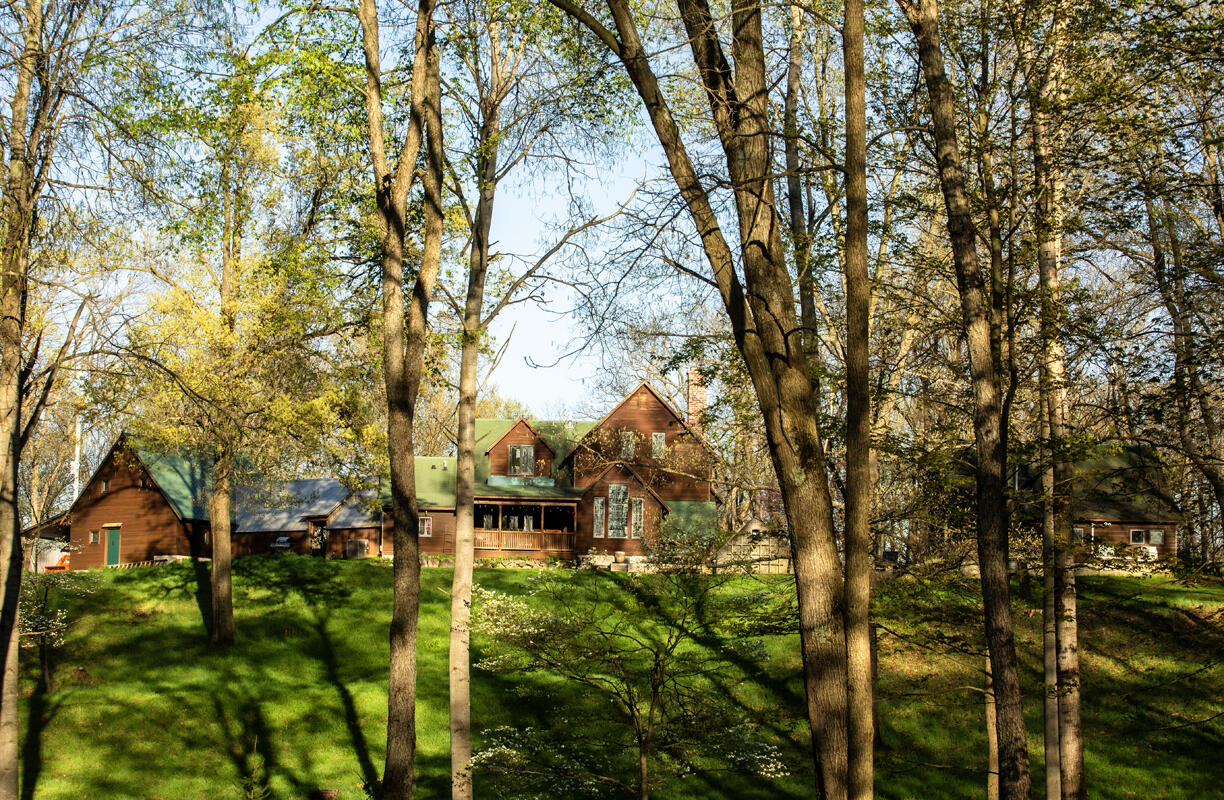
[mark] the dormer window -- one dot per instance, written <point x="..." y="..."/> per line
<point x="522" y="459"/>
<point x="627" y="444"/>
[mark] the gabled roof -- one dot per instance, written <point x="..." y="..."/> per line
<point x="627" y="468"/>
<point x="534" y="432"/>
<point x="183" y="479"/>
<point x="561" y="436"/>
<point x="1118" y="484"/>
<point x="287" y="506"/>
<point x="696" y="434"/>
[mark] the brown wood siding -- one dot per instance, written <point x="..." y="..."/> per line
<point x="585" y="541"/>
<point x="260" y="542"/>
<point x="519" y="433"/>
<point x="683" y="474"/>
<point x="147" y="524"/>
<point x="1118" y="534"/>
<point x="442" y="541"/>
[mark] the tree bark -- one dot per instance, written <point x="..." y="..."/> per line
<point x="1015" y="781"/>
<point x="765" y="328"/>
<point x="404" y="339"/>
<point x="1049" y="619"/>
<point x="465" y="467"/>
<point x="18" y="213"/>
<point x="221" y="630"/>
<point x="1048" y="189"/>
<point x="859" y="560"/>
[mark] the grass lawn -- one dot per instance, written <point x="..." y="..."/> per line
<point x="144" y="709"/>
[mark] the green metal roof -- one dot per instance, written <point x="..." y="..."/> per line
<point x="183" y="479"/>
<point x="435" y="482"/>
<point x="562" y="436"/>
<point x="693" y="515"/>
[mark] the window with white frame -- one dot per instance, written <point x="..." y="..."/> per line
<point x="1137" y="536"/>
<point x="522" y="459"/>
<point x="598" y="514"/>
<point x="639" y="517"/>
<point x="658" y="444"/>
<point x="1156" y="537"/>
<point x="618" y="511"/>
<point x="627" y="444"/>
<point x="425" y="526"/>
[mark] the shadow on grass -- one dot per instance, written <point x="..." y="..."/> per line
<point x="352" y="721"/>
<point x="42" y="711"/>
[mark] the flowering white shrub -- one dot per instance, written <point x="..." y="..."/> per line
<point x="654" y="673"/>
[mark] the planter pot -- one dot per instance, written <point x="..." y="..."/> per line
<point x="619" y="555"/>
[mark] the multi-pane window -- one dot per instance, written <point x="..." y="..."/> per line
<point x="598" y="514"/>
<point x="522" y="459"/>
<point x="627" y="444"/>
<point x="639" y="517"/>
<point x="1156" y="537"/>
<point x="93" y="537"/>
<point x="1136" y="536"/>
<point x="658" y="444"/>
<point x="618" y="511"/>
<point x="425" y="526"/>
<point x="1077" y="534"/>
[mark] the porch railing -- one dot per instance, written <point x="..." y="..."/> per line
<point x="550" y="541"/>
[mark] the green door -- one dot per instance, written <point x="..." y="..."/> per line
<point x="112" y="546"/>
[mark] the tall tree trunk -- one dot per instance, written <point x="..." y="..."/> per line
<point x="988" y="426"/>
<point x="1049" y="617"/>
<point x="221" y="631"/>
<point x="404" y="339"/>
<point x="1048" y="180"/>
<point x="992" y="737"/>
<point x="794" y="182"/>
<point x="859" y="560"/>
<point x="765" y="328"/>
<point x="18" y="222"/>
<point x="465" y="467"/>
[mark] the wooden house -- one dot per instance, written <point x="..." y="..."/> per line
<point x="545" y="488"/>
<point x="563" y="488"/>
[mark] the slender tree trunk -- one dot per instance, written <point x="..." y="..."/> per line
<point x="18" y="221"/>
<point x="221" y="632"/>
<point x="465" y="472"/>
<point x="989" y="434"/>
<point x="1049" y="619"/>
<point x="1048" y="189"/>
<point x="859" y="560"/>
<point x="794" y="182"/>
<point x="992" y="737"/>
<point x="765" y="327"/>
<point x="403" y="354"/>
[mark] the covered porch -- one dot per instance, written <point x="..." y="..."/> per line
<point x="515" y="525"/>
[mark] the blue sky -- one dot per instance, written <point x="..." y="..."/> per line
<point x="521" y="225"/>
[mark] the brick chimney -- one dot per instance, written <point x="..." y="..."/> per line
<point x="696" y="398"/>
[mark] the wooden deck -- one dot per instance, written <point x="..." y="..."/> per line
<point x="544" y="541"/>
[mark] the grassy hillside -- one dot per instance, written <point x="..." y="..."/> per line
<point x="144" y="709"/>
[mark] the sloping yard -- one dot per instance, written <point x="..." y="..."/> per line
<point x="142" y="708"/>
